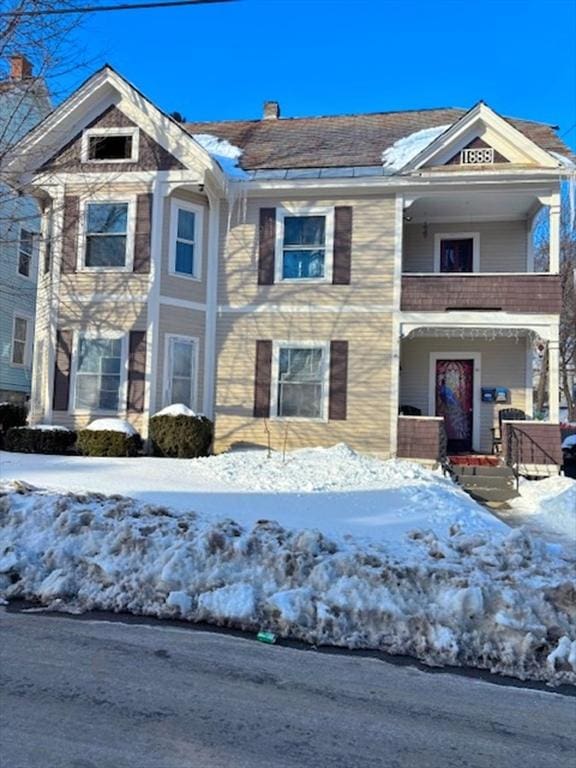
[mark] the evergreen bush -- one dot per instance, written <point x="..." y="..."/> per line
<point x="11" y="415"/>
<point x="30" y="440"/>
<point x="181" y="437"/>
<point x="108" y="442"/>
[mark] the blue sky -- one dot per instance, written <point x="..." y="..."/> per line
<point x="338" y="56"/>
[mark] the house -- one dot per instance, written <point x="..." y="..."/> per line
<point x="299" y="280"/>
<point x="23" y="102"/>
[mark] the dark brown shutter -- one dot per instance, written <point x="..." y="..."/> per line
<point x="136" y="371"/>
<point x="70" y="234"/>
<point x="262" y="380"/>
<point x="142" y="233"/>
<point x="62" y="365"/>
<point x="266" y="246"/>
<point x="342" y="245"/>
<point x="338" y="380"/>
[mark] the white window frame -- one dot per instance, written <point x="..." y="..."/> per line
<point x="325" y="396"/>
<point x="91" y="333"/>
<point x="95" y="132"/>
<point x="474" y="236"/>
<point x="130" y="201"/>
<point x="34" y="255"/>
<point x="169" y="338"/>
<point x="295" y="210"/>
<point x="29" y="320"/>
<point x="198" y="211"/>
<point x="476" y="394"/>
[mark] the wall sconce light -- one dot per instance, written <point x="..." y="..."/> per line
<point x="407" y="218"/>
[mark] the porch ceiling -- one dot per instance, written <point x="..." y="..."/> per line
<point x="470" y="333"/>
<point x="470" y="205"/>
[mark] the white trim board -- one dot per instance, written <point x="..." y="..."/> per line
<point x="477" y="387"/>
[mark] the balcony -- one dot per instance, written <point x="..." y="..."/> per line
<point x="523" y="293"/>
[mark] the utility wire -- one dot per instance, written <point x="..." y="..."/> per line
<point x="100" y="8"/>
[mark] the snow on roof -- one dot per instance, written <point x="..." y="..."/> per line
<point x="225" y="153"/>
<point x="112" y="425"/>
<point x="564" y="161"/>
<point x="177" y="409"/>
<point x="408" y="147"/>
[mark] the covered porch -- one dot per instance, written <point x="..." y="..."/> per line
<point x="455" y="379"/>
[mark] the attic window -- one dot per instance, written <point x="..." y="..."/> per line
<point x="110" y="145"/>
<point x="478" y="156"/>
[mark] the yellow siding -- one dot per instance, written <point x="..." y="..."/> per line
<point x="367" y="427"/>
<point x="503" y="245"/>
<point x="503" y="363"/>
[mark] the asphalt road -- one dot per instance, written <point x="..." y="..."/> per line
<point x="95" y="694"/>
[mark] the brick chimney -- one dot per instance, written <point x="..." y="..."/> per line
<point x="271" y="110"/>
<point x="20" y="67"/>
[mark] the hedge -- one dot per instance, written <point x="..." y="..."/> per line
<point x="12" y="415"/>
<point x="181" y="437"/>
<point x="30" y="440"/>
<point x="107" y="442"/>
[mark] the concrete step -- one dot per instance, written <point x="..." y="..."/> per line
<point x="489" y="481"/>
<point x="500" y="495"/>
<point x="501" y="471"/>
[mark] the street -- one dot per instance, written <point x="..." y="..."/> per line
<point x="100" y="694"/>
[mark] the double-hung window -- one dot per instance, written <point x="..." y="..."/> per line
<point x="21" y="341"/>
<point x="106" y="232"/>
<point x="304" y="247"/>
<point x="26" y="246"/>
<point x="181" y="379"/>
<point x="98" y="374"/>
<point x="301" y="381"/>
<point x="186" y="239"/>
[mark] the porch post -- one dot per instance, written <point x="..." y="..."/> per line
<point x="553" y="381"/>
<point x="554" y="248"/>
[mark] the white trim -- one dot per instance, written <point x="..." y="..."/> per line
<point x="130" y="201"/>
<point x="477" y="387"/>
<point x="325" y="396"/>
<point x="153" y="305"/>
<point x="303" y="309"/>
<point x="33" y="256"/>
<point x="93" y="333"/>
<point x="176" y="205"/>
<point x="529" y="377"/>
<point x="104" y="298"/>
<point x="291" y="209"/>
<point x="169" y="339"/>
<point x="172" y="301"/>
<point x="396" y="315"/>
<point x="543" y="325"/>
<point x="212" y="261"/>
<point x="474" y="236"/>
<point x="472" y="274"/>
<point x="28" y="341"/>
<point x="89" y="133"/>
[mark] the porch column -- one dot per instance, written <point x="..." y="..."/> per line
<point x="554" y="381"/>
<point x="554" y="248"/>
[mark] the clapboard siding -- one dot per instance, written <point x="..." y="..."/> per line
<point x="503" y="245"/>
<point x="371" y="258"/>
<point x="367" y="423"/>
<point x="503" y="363"/>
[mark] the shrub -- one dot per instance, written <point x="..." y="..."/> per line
<point x="108" y="442"/>
<point x="12" y="415"/>
<point x="30" y="440"/>
<point x="181" y="437"/>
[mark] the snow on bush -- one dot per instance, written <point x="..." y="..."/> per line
<point x="501" y="602"/>
<point x="178" y="409"/>
<point x="112" y="425"/>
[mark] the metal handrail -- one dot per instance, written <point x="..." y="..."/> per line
<point x="516" y="449"/>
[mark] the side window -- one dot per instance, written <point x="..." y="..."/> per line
<point x="106" y="235"/>
<point x="26" y="248"/>
<point x="303" y="248"/>
<point x="181" y="366"/>
<point x="301" y="382"/>
<point x="98" y="374"/>
<point x="185" y="239"/>
<point x="21" y="341"/>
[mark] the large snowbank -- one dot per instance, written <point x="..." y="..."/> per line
<point x="408" y="147"/>
<point x="491" y="601"/>
<point x="548" y="507"/>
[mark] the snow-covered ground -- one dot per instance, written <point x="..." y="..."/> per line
<point x="546" y="508"/>
<point x="400" y="558"/>
<point x="336" y="490"/>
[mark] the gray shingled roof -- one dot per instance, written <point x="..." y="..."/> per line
<point x="343" y="141"/>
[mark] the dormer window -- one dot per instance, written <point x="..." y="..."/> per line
<point x="110" y="145"/>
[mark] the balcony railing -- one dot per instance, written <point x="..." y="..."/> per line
<point x="537" y="292"/>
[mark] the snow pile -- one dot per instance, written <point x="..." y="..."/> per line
<point x="548" y="507"/>
<point x="569" y="442"/>
<point x="499" y="602"/>
<point x="225" y="153"/>
<point x="178" y="409"/>
<point x="408" y="147"/>
<point x="46" y="427"/>
<point x="112" y="425"/>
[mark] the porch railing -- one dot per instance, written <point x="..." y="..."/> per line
<point x="534" y="447"/>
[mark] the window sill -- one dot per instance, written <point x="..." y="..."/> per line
<point x="304" y="280"/>
<point x="84" y="268"/>
<point x="193" y="278"/>
<point x="300" y="419"/>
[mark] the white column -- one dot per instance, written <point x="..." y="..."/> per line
<point x="211" y="303"/>
<point x="554" y="252"/>
<point x="554" y="380"/>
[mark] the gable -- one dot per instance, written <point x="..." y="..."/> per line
<point x="477" y="144"/>
<point x="151" y="155"/>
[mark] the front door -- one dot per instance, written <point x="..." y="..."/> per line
<point x="454" y="401"/>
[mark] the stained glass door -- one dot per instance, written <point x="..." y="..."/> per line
<point x="455" y="401"/>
